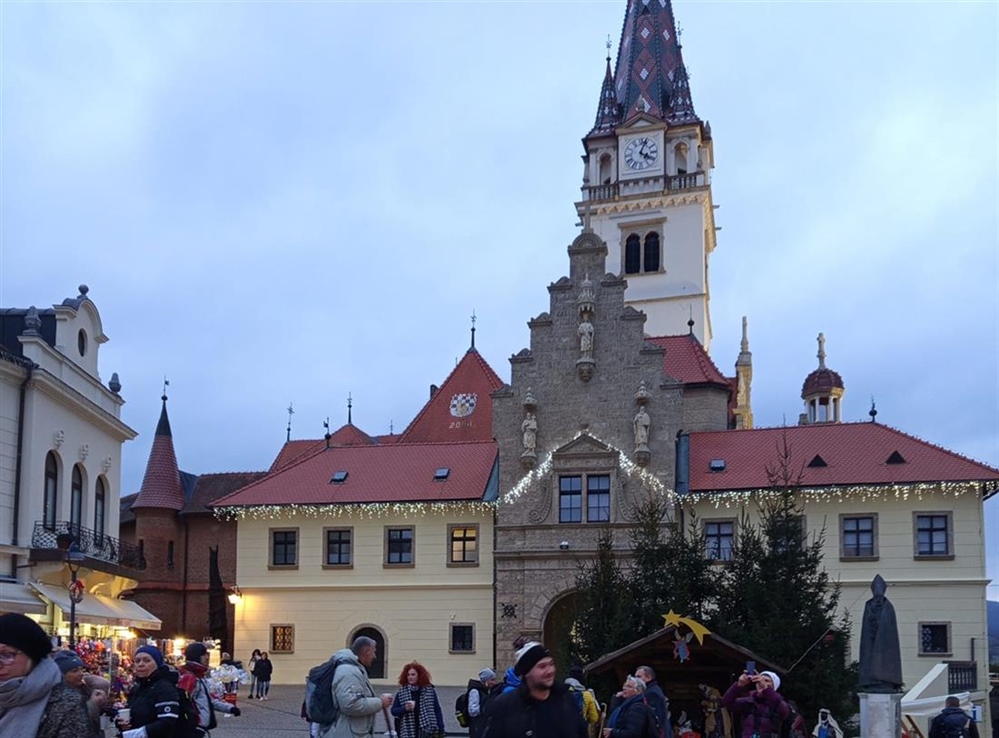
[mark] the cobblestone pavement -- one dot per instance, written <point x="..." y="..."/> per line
<point x="278" y="715"/>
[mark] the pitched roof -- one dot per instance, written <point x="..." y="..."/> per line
<point x="853" y="454"/>
<point x="211" y="487"/>
<point x="686" y="360"/>
<point x="293" y="450"/>
<point x="392" y="473"/>
<point x="350" y="435"/>
<point x="461" y="410"/>
<point x="161" y="485"/>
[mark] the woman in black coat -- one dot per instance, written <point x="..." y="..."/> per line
<point x="153" y="703"/>
<point x="262" y="670"/>
<point x="631" y="718"/>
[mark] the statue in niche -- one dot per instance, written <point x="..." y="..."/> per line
<point x="880" y="656"/>
<point x="530" y="430"/>
<point x="642" y="423"/>
<point x="586" y="338"/>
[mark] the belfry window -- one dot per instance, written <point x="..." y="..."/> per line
<point x="651" y="261"/>
<point x="680" y="157"/>
<point x="633" y="254"/>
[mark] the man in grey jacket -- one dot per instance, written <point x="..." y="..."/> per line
<point x="352" y="691"/>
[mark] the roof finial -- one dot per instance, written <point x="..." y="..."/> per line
<point x="391" y="428"/>
<point x="326" y="435"/>
<point x="166" y="383"/>
<point x="608" y="48"/>
<point x="690" y="320"/>
<point x="873" y="411"/>
<point x="291" y="411"/>
<point x="745" y="335"/>
<point x="473" y="329"/>
<point x="822" y="351"/>
<point x="350" y="405"/>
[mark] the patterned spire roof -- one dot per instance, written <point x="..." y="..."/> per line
<point x="161" y="485"/>
<point x="650" y="76"/>
<point x="608" y="111"/>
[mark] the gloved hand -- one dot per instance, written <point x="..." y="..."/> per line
<point x="235" y="712"/>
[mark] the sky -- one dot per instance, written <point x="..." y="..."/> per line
<point x="294" y="202"/>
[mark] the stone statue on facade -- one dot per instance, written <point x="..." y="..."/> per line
<point x="586" y="338"/>
<point x="880" y="656"/>
<point x="642" y="424"/>
<point x="530" y="430"/>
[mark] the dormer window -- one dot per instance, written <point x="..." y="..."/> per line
<point x="339" y="477"/>
<point x="442" y="474"/>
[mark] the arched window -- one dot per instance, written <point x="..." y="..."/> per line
<point x="100" y="495"/>
<point x="680" y="155"/>
<point x="605" y="170"/>
<point x="51" y="491"/>
<point x="76" y="500"/>
<point x="651" y="262"/>
<point x="633" y="254"/>
<point x="377" y="668"/>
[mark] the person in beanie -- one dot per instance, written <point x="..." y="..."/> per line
<point x="35" y="701"/>
<point x="586" y="702"/>
<point x="953" y="721"/>
<point x="754" y="699"/>
<point x="539" y="707"/>
<point x="478" y="693"/>
<point x="73" y="673"/>
<point x="153" y="701"/>
<point x="192" y="681"/>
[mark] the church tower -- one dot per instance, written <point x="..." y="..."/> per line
<point x="646" y="179"/>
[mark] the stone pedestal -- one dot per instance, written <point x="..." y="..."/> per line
<point x="880" y="715"/>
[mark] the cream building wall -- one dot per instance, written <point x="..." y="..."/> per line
<point x="413" y="607"/>
<point x="947" y="590"/>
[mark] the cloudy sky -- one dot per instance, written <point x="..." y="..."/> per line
<point x="290" y="202"/>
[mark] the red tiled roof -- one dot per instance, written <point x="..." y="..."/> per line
<point x="293" y="450"/>
<point x="461" y="410"/>
<point x="821" y="380"/>
<point x="855" y="454"/>
<point x="161" y="485"/>
<point x="350" y="435"/>
<point x="211" y="487"/>
<point x="686" y="360"/>
<point x="397" y="472"/>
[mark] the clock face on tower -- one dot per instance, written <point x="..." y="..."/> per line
<point x="641" y="153"/>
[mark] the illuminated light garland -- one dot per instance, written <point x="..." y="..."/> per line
<point x="853" y="493"/>
<point x="625" y="463"/>
<point x="367" y="511"/>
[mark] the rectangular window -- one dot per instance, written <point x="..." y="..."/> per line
<point x="464" y="545"/>
<point x="934" y="639"/>
<point x="462" y="638"/>
<point x="858" y="535"/>
<point x="339" y="546"/>
<point x="570" y="499"/>
<point x="169" y="553"/>
<point x="399" y="546"/>
<point x="598" y="498"/>
<point x="282" y="639"/>
<point x="719" y="536"/>
<point x="933" y="534"/>
<point x="284" y="548"/>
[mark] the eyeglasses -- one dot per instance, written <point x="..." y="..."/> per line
<point x="8" y="657"/>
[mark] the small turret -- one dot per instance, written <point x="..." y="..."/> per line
<point x="822" y="392"/>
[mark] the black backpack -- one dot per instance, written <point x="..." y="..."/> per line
<point x="652" y="727"/>
<point x="319" y="705"/>
<point x="461" y="704"/>
<point x="188" y="713"/>
<point x="955" y="724"/>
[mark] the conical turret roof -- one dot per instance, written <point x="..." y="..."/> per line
<point x="161" y="486"/>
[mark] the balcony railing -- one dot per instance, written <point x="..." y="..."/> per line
<point x="684" y="181"/>
<point x="962" y="676"/>
<point x="91" y="543"/>
<point x="674" y="183"/>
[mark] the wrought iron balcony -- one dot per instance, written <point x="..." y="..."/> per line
<point x="91" y="544"/>
<point x="962" y="676"/>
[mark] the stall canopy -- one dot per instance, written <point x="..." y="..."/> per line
<point x="17" y="597"/>
<point x="100" y="609"/>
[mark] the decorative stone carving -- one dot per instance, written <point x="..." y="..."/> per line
<point x="32" y="323"/>
<point x="58" y="437"/>
<point x="584" y="368"/>
<point x="587" y="298"/>
<point x="642" y="395"/>
<point x="529" y="402"/>
<point x="529" y="428"/>
<point x="84" y="451"/>
<point x="114" y="385"/>
<point x="642" y="424"/>
<point x="106" y="464"/>
<point x="586" y="337"/>
<point x="542" y="507"/>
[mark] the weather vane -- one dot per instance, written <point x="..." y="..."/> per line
<point x="350" y="404"/>
<point x="166" y="383"/>
<point x="473" y="327"/>
<point x="291" y="411"/>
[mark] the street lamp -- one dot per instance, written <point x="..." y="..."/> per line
<point x="74" y="557"/>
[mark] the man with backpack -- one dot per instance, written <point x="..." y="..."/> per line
<point x="586" y="701"/>
<point x="192" y="681"/>
<point x="953" y="722"/>
<point x="656" y="699"/>
<point x="469" y="706"/>
<point x="354" y="701"/>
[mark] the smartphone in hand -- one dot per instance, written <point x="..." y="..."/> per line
<point x="751" y="668"/>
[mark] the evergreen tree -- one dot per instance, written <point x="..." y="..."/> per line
<point x="776" y="599"/>
<point x="601" y="622"/>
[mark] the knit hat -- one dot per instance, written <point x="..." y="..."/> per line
<point x="576" y="672"/>
<point x="153" y="652"/>
<point x="195" y="651"/>
<point x="96" y="682"/>
<point x="24" y="634"/>
<point x="773" y="678"/>
<point x="67" y="661"/>
<point x="528" y="657"/>
<point x="486" y="674"/>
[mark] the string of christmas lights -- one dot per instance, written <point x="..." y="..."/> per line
<point x="853" y="493"/>
<point x="367" y="511"/>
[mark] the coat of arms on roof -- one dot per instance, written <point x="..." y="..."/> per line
<point x="463" y="404"/>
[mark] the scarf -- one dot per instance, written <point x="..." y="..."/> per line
<point x="422" y="722"/>
<point x="23" y="699"/>
<point x="623" y="707"/>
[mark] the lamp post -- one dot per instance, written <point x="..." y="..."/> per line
<point x="74" y="557"/>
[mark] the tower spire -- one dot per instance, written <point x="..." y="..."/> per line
<point x="650" y="72"/>
<point x="822" y="351"/>
<point x="473" y="330"/>
<point x="291" y="411"/>
<point x="608" y="110"/>
<point x="350" y="405"/>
